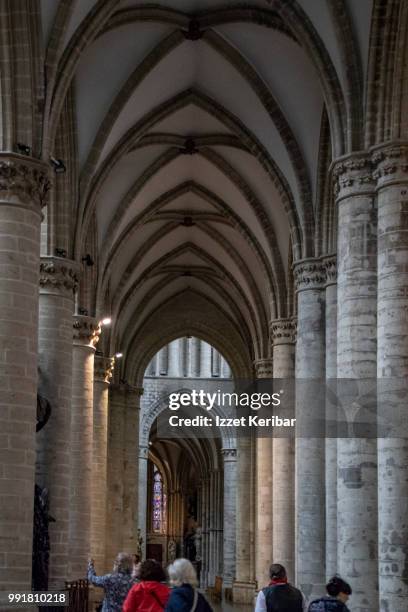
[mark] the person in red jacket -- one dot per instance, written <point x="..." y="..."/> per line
<point x="150" y="594"/>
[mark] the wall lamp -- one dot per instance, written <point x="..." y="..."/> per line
<point x="58" y="165"/>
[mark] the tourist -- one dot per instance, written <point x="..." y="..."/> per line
<point x="150" y="594"/>
<point x="338" y="595"/>
<point x="279" y="595"/>
<point x="184" y="595"/>
<point x="116" y="585"/>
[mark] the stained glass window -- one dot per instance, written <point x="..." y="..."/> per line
<point x="158" y="501"/>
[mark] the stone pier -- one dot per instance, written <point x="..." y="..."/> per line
<point x="23" y="188"/>
<point x="230" y="475"/>
<point x="264" y="479"/>
<point x="283" y="338"/>
<point x="330" y="266"/>
<point x="356" y="371"/>
<point x="58" y="281"/>
<point x="103" y="374"/>
<point x="310" y="444"/>
<point x="391" y="174"/>
<point x="86" y="335"/>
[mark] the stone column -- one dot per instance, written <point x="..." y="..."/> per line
<point x="142" y="495"/>
<point x="58" y="280"/>
<point x="163" y="361"/>
<point x="215" y="363"/>
<point x="205" y="533"/>
<point x="263" y="559"/>
<point x="391" y="173"/>
<point x="115" y="484"/>
<point x="183" y="356"/>
<point x="225" y="369"/>
<point x="205" y="359"/>
<point x="356" y="359"/>
<point x="218" y="523"/>
<point x="23" y="186"/>
<point x="86" y="334"/>
<point x="330" y="266"/>
<point x="131" y="470"/>
<point x="230" y="475"/>
<point x="174" y="359"/>
<point x="102" y="376"/>
<point x="310" y="444"/>
<point x="283" y="336"/>
<point x="244" y="583"/>
<point x="194" y="345"/>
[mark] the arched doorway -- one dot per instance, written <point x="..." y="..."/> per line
<point x="187" y="486"/>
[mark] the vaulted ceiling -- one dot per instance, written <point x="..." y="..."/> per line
<point x="198" y="132"/>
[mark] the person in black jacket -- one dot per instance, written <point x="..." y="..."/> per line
<point x="279" y="596"/>
<point x="338" y="595"/>
<point x="184" y="597"/>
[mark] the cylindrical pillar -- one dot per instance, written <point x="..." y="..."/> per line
<point x="23" y="185"/>
<point x="230" y="475"/>
<point x="310" y="446"/>
<point x="357" y="508"/>
<point x="244" y="583"/>
<point x="264" y="550"/>
<point x="58" y="280"/>
<point x="215" y="363"/>
<point x="116" y="442"/>
<point x="330" y="265"/>
<point x="143" y="496"/>
<point x="174" y="359"/>
<point x="86" y="334"/>
<point x="283" y="336"/>
<point x="131" y="470"/>
<point x="225" y="369"/>
<point x="391" y="172"/>
<point x="103" y="374"/>
<point x="205" y="359"/>
<point x="194" y="346"/>
<point x="163" y="361"/>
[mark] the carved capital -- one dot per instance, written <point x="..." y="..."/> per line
<point x="309" y="274"/>
<point x="263" y="368"/>
<point x="283" y="331"/>
<point x="229" y="454"/>
<point x="103" y="368"/>
<point x="390" y="162"/>
<point x="143" y="452"/>
<point x="58" y="276"/>
<point x="330" y="266"/>
<point x="86" y="331"/>
<point x="352" y="175"/>
<point x="24" y="181"/>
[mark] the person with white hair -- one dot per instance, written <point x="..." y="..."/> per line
<point x="184" y="596"/>
<point x="116" y="584"/>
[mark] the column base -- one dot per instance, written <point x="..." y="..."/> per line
<point x="243" y="592"/>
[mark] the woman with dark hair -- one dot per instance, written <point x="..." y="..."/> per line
<point x="338" y="595"/>
<point x="150" y="594"/>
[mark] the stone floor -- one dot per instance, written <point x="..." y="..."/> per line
<point x="229" y="607"/>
